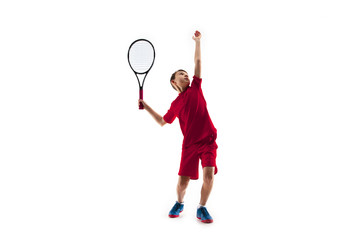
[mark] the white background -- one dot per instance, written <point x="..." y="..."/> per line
<point x="80" y="161"/>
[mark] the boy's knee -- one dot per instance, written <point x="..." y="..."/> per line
<point x="208" y="174"/>
<point x="209" y="178"/>
<point x="183" y="183"/>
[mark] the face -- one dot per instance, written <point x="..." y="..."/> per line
<point x="181" y="80"/>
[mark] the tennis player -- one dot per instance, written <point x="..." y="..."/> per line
<point x="199" y="135"/>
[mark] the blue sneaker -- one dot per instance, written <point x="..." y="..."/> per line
<point x="203" y="215"/>
<point x="176" y="210"/>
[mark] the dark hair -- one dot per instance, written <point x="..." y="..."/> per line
<point x="173" y="76"/>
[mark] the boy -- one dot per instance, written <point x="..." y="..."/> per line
<point x="199" y="135"/>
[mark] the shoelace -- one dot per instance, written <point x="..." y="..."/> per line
<point x="176" y="207"/>
<point x="205" y="212"/>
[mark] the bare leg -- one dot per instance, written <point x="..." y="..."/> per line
<point x="181" y="187"/>
<point x="208" y="175"/>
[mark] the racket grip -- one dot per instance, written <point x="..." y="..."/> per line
<point x="141" y="106"/>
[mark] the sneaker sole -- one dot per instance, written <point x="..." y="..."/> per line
<point x="206" y="221"/>
<point x="174" y="216"/>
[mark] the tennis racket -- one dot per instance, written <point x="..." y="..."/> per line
<point x="141" y="56"/>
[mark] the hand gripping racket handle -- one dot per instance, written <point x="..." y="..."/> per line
<point x="141" y="106"/>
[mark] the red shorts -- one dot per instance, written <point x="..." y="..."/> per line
<point x="204" y="150"/>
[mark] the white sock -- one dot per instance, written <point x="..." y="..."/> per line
<point x="199" y="206"/>
<point x="180" y="202"/>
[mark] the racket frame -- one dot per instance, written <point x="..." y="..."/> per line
<point x="141" y="86"/>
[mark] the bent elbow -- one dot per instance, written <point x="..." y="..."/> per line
<point x="163" y="124"/>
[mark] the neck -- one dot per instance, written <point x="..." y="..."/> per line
<point x="180" y="90"/>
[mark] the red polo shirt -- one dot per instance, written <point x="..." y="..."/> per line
<point x="190" y="108"/>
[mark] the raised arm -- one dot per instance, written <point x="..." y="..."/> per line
<point x="197" y="58"/>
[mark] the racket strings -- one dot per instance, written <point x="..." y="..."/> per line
<point x="141" y="56"/>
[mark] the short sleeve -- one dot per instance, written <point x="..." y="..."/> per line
<point x="169" y="117"/>
<point x="171" y="114"/>
<point x="196" y="82"/>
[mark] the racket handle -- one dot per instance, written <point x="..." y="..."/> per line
<point x="141" y="106"/>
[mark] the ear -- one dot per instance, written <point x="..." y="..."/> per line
<point x="173" y="83"/>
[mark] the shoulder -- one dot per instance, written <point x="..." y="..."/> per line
<point x="176" y="103"/>
<point x="176" y="100"/>
<point x="196" y="82"/>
